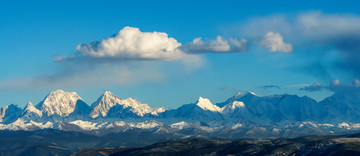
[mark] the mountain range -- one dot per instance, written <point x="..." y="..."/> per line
<point x="242" y="115"/>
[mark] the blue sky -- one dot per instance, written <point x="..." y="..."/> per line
<point x="310" y="42"/>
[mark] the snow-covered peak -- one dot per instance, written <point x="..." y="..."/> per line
<point x="108" y="93"/>
<point x="30" y="108"/>
<point x="61" y="93"/>
<point x="230" y="108"/>
<point x="205" y="104"/>
<point x="241" y="94"/>
<point x="102" y="106"/>
<point x="236" y="104"/>
<point x="59" y="102"/>
<point x="155" y="111"/>
<point x="180" y="125"/>
<point x="236" y="126"/>
<point x="147" y="124"/>
<point x="136" y="106"/>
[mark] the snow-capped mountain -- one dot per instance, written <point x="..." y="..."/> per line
<point x="206" y="105"/>
<point x="157" y="110"/>
<point x="273" y="109"/>
<point x="30" y="109"/>
<point x="232" y="107"/>
<point x="200" y="111"/>
<point x="101" y="107"/>
<point x="59" y="103"/>
<point x="243" y="115"/>
<point x="109" y="101"/>
<point x="30" y="112"/>
<point x="237" y="111"/>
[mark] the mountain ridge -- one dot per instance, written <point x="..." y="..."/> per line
<point x="242" y="115"/>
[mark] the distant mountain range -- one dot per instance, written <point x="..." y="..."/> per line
<point x="243" y="115"/>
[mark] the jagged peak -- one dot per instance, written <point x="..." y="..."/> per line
<point x="12" y="106"/>
<point x="230" y="107"/>
<point x="130" y="99"/>
<point x="156" y="110"/>
<point x="235" y="104"/>
<point x="31" y="108"/>
<point x="59" y="102"/>
<point x="60" y="92"/>
<point x="205" y="104"/>
<point x="29" y="104"/>
<point x="242" y="94"/>
<point x="58" y="95"/>
<point x="108" y="93"/>
<point x="103" y="104"/>
<point x="202" y="100"/>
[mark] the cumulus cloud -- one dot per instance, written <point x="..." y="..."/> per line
<point x="274" y="42"/>
<point x="219" y="45"/>
<point x="131" y="43"/>
<point x="117" y="60"/>
<point x="128" y="57"/>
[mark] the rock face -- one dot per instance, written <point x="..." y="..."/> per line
<point x="9" y="113"/>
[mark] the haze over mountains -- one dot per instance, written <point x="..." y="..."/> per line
<point x="243" y="115"/>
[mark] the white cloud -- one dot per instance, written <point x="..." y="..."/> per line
<point x="239" y="45"/>
<point x="275" y="43"/>
<point x="219" y="45"/>
<point x="311" y="30"/>
<point x="116" y="60"/>
<point x="329" y="26"/>
<point x="131" y="43"/>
